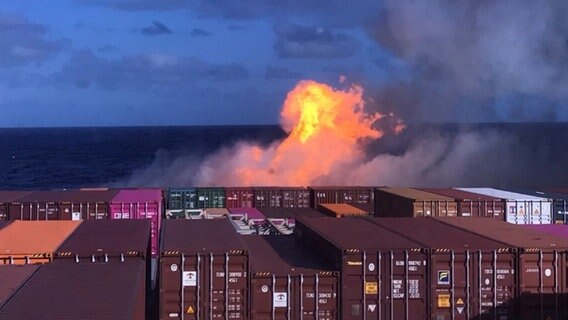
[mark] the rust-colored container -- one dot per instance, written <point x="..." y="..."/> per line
<point x="6" y="199"/>
<point x="203" y="271"/>
<point x="267" y="197"/>
<point x="340" y="210"/>
<point x="406" y="202"/>
<point x="473" y="204"/>
<point x="239" y="197"/>
<point x="12" y="278"/>
<point x="290" y="282"/>
<point x="541" y="265"/>
<point x="62" y="290"/>
<point x="351" y="195"/>
<point x="383" y="275"/>
<point x="25" y="242"/>
<point x="82" y="204"/>
<point x="471" y="276"/>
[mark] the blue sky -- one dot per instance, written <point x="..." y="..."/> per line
<point x="181" y="62"/>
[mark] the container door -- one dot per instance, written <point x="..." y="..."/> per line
<point x="273" y="298"/>
<point x="19" y="211"/>
<point x="4" y="209"/>
<point x="149" y="210"/>
<point x="405" y="285"/>
<point x="560" y="211"/>
<point x="452" y="274"/>
<point x="493" y="285"/>
<point x="542" y="285"/>
<point x="318" y="297"/>
<point x="65" y="209"/>
<point x="361" y="277"/>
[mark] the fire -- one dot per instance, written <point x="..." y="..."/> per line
<point x="325" y="129"/>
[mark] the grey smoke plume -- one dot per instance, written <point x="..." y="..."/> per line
<point x="476" y="60"/>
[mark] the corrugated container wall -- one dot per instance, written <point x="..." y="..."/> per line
<point x="541" y="265"/>
<point x="295" y="197"/>
<point x="559" y="202"/>
<point x="267" y="197"/>
<point x="69" y="291"/>
<point x="210" y="198"/>
<point x="350" y="195"/>
<point x="140" y="204"/>
<point x="383" y="275"/>
<point x="181" y="198"/>
<point x="6" y="199"/>
<point x="239" y="197"/>
<point x="473" y="204"/>
<point x="290" y="282"/>
<point x="520" y="208"/>
<point x="472" y="277"/>
<point x="25" y="242"/>
<point x="37" y="205"/>
<point x="203" y="271"/>
<point x="406" y="202"/>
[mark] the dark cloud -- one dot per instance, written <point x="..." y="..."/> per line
<point x="281" y="73"/>
<point x="23" y="42"/>
<point x="296" y="41"/>
<point x="141" y="72"/>
<point x="197" y="32"/>
<point x="328" y="12"/>
<point x="155" y="29"/>
<point x="507" y="58"/>
<point x="138" y="5"/>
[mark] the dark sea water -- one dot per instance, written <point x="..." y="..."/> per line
<point x="472" y="154"/>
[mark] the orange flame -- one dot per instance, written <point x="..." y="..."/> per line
<point x="325" y="129"/>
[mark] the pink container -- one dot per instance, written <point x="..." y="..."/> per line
<point x="140" y="204"/>
<point x="254" y="216"/>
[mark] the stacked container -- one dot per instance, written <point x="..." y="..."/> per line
<point x="473" y="204"/>
<point x="406" y="202"/>
<point x="239" y="197"/>
<point x="203" y="271"/>
<point x="357" y="196"/>
<point x="520" y="208"/>
<point x="540" y="267"/>
<point x="181" y="203"/>
<point x="210" y="198"/>
<point x="281" y="197"/>
<point x="471" y="276"/>
<point x="338" y="210"/>
<point x="140" y="204"/>
<point x="559" y="202"/>
<point x="290" y="282"/>
<point x="383" y="275"/>
<point x="6" y="199"/>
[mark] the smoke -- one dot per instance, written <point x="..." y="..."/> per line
<point x="478" y="60"/>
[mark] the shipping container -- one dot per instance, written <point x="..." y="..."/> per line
<point x="406" y="202"/>
<point x="471" y="276"/>
<point x="140" y="204"/>
<point x="541" y="265"/>
<point x="343" y="194"/>
<point x="28" y="242"/>
<point x="520" y="208"/>
<point x="473" y="204"/>
<point x="12" y="278"/>
<point x="210" y="198"/>
<point x="559" y="230"/>
<point x="249" y="221"/>
<point x="181" y="198"/>
<point x="6" y="199"/>
<point x="204" y="271"/>
<point x="62" y="290"/>
<point x="267" y="197"/>
<point x="295" y="197"/>
<point x="215" y="213"/>
<point x="37" y="205"/>
<point x="239" y="197"/>
<point x="284" y="219"/>
<point x="340" y="210"/>
<point x="369" y="208"/>
<point x="559" y="202"/>
<point x="383" y="275"/>
<point x="288" y="281"/>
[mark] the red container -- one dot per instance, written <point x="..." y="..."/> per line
<point x="473" y="204"/>
<point x="267" y="197"/>
<point x="12" y="277"/>
<point x="383" y="275"/>
<point x="37" y="205"/>
<point x="63" y="290"/>
<point x="204" y="271"/>
<point x="472" y="277"/>
<point x="290" y="282"/>
<point x="541" y="265"/>
<point x="407" y="202"/>
<point x="239" y="197"/>
<point x="140" y="204"/>
<point x="359" y="195"/>
<point x="6" y="199"/>
<point x="295" y="197"/>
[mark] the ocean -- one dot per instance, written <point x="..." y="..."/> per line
<point x="521" y="154"/>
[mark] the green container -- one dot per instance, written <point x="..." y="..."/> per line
<point x="181" y="198"/>
<point x="210" y="198"/>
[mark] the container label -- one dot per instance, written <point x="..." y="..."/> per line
<point x="444" y="277"/>
<point x="443" y="301"/>
<point x="189" y="278"/>
<point x="76" y="216"/>
<point x="371" y="288"/>
<point x="280" y="299"/>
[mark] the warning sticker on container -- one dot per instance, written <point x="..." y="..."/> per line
<point x="371" y="288"/>
<point x="443" y="301"/>
<point x="189" y="278"/>
<point x="280" y="299"/>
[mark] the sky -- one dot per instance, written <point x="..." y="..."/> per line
<point x="214" y="62"/>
